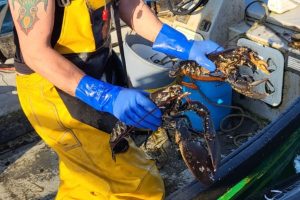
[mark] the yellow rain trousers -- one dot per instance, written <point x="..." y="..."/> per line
<point x="87" y="170"/>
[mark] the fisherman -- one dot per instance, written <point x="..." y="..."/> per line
<point x="72" y="88"/>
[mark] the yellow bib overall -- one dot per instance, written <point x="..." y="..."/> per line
<point x="87" y="170"/>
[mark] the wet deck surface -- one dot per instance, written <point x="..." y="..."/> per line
<point x="29" y="172"/>
<point x="8" y="94"/>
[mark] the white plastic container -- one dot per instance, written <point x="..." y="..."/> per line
<point x="146" y="68"/>
<point x="281" y="6"/>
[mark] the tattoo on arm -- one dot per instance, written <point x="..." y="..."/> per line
<point x="27" y="13"/>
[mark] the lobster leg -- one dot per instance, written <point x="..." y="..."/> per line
<point x="117" y="141"/>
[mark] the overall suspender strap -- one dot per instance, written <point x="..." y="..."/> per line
<point x="115" y="5"/>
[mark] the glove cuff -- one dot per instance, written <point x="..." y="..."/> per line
<point x="194" y="52"/>
<point x="97" y="94"/>
<point x="172" y="43"/>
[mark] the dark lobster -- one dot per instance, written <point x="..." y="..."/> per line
<point x="200" y="151"/>
<point x="228" y="63"/>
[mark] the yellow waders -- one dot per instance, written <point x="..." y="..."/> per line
<point x="87" y="171"/>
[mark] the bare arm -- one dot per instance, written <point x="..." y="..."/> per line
<point x="34" y="24"/>
<point x="139" y="16"/>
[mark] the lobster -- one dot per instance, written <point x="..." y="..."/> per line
<point x="228" y="64"/>
<point x="200" y="151"/>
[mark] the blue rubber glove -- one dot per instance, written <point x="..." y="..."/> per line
<point x="133" y="107"/>
<point x="174" y="43"/>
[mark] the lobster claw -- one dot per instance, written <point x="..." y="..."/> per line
<point x="229" y="61"/>
<point x="200" y="151"/>
<point x="246" y="86"/>
<point x="200" y="158"/>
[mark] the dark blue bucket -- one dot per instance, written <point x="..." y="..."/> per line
<point x="218" y="92"/>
